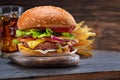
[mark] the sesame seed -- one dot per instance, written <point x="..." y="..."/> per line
<point x="25" y="19"/>
<point x="33" y="19"/>
<point x="54" y="18"/>
<point x="43" y="21"/>
<point x="38" y="25"/>
<point x="68" y="21"/>
<point x="49" y="18"/>
<point x="63" y="13"/>
<point x="62" y="22"/>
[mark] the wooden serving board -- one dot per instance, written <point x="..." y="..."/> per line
<point x="59" y="61"/>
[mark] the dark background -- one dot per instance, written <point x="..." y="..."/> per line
<point x="102" y="15"/>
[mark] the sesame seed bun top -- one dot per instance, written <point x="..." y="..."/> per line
<point x="45" y="16"/>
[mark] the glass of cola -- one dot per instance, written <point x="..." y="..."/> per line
<point x="8" y="26"/>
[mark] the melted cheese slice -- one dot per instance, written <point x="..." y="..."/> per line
<point x="33" y="44"/>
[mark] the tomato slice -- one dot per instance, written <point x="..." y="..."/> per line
<point x="50" y="40"/>
<point x="60" y="29"/>
<point x="25" y="39"/>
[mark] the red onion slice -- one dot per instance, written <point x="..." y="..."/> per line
<point x="56" y="38"/>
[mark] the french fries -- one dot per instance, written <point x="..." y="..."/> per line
<point x="82" y="33"/>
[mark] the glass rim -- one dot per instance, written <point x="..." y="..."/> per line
<point x="3" y="6"/>
<point x="20" y="9"/>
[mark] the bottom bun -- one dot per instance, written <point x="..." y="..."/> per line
<point x="28" y="52"/>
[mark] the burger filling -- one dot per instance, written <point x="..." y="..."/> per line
<point x="75" y="39"/>
<point x="60" y="40"/>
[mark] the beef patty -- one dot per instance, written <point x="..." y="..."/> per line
<point x="45" y="45"/>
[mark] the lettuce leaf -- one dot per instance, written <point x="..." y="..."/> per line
<point x="15" y="41"/>
<point x="49" y="31"/>
<point x="34" y="33"/>
<point x="19" y="33"/>
<point x="66" y="34"/>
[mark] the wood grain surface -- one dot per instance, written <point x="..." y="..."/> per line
<point x="105" y="65"/>
<point x="53" y="61"/>
<point x="102" y="15"/>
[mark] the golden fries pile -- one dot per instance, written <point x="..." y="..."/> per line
<point x="82" y="34"/>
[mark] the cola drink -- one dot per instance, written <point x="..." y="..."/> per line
<point x="8" y="27"/>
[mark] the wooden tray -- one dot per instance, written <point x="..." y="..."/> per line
<point x="59" y="61"/>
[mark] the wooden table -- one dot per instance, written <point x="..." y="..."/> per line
<point x="105" y="65"/>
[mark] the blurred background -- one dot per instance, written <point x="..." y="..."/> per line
<point x="102" y="15"/>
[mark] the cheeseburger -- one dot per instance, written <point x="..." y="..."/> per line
<point x="51" y="31"/>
